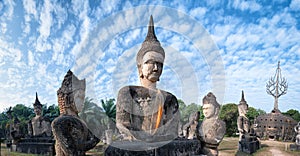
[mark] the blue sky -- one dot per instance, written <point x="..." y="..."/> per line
<point x="219" y="46"/>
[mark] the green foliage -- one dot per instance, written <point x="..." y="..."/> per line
<point x="109" y="108"/>
<point x="24" y="114"/>
<point x="187" y="110"/>
<point x="293" y="114"/>
<point x="95" y="118"/>
<point x="229" y="114"/>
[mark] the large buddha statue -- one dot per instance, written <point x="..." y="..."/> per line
<point x="39" y="126"/>
<point x="212" y="129"/>
<point x="70" y="132"/>
<point x="243" y="122"/>
<point x="145" y="112"/>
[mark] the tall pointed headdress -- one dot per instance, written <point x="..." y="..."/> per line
<point x="37" y="102"/>
<point x="243" y="101"/>
<point x="150" y="44"/>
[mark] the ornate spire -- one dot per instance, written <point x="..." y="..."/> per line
<point x="37" y="102"/>
<point x="276" y="87"/>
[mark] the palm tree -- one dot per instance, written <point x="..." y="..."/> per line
<point x="94" y="117"/>
<point x="109" y="108"/>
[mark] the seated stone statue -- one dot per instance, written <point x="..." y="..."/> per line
<point x="243" y="122"/>
<point x="70" y="132"/>
<point x="190" y="129"/>
<point x="212" y="129"/>
<point x="39" y="126"/>
<point x="297" y="130"/>
<point x="15" y="131"/>
<point x="145" y="112"/>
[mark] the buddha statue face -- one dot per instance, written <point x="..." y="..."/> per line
<point x="152" y="65"/>
<point x="37" y="110"/>
<point x="243" y="108"/>
<point x="208" y="110"/>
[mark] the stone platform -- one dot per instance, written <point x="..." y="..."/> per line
<point x="166" y="148"/>
<point x="294" y="147"/>
<point x="39" y="145"/>
<point x="249" y="144"/>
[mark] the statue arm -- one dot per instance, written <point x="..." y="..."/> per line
<point x="123" y="117"/>
<point x="240" y="124"/>
<point x="90" y="143"/>
<point x="30" y="129"/>
<point x="63" y="137"/>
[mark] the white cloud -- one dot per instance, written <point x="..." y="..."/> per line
<point x="252" y="6"/>
<point x="295" y="5"/>
<point x="31" y="61"/>
<point x="46" y="20"/>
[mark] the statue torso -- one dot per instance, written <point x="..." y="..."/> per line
<point x="138" y="108"/>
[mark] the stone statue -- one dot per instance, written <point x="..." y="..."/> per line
<point x="243" y="122"/>
<point x="15" y="131"/>
<point x="70" y="132"/>
<point x="212" y="129"/>
<point x="39" y="126"/>
<point x="297" y="130"/>
<point x="191" y="128"/>
<point x="145" y="112"/>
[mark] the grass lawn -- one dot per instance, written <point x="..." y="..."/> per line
<point x="229" y="147"/>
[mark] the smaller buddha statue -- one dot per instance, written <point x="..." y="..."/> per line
<point x="70" y="132"/>
<point x="39" y="126"/>
<point x="243" y="122"/>
<point x="297" y="130"/>
<point x="212" y="129"/>
<point x="190" y="129"/>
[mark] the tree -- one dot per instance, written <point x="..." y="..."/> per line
<point x="94" y="117"/>
<point x="229" y="114"/>
<point x="293" y="114"/>
<point x="109" y="108"/>
<point x="254" y="113"/>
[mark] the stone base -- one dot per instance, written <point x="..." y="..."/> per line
<point x="249" y="146"/>
<point x="137" y="148"/>
<point x="294" y="147"/>
<point x="40" y="145"/>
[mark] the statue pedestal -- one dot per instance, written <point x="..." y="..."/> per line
<point x="36" y="145"/>
<point x="249" y="144"/>
<point x="294" y="147"/>
<point x="166" y="148"/>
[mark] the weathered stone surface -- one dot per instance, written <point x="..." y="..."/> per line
<point x="294" y="147"/>
<point x="36" y="145"/>
<point x="180" y="147"/>
<point x="70" y="132"/>
<point x="191" y="129"/>
<point x="212" y="129"/>
<point x="144" y="112"/>
<point x="297" y="130"/>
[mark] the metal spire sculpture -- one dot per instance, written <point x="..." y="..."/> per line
<point x="277" y="86"/>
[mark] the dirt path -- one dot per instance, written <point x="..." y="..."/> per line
<point x="277" y="152"/>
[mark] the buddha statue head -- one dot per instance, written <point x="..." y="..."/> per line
<point x="37" y="106"/>
<point x="243" y="106"/>
<point x="150" y="58"/>
<point x="210" y="106"/>
<point x="71" y="94"/>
